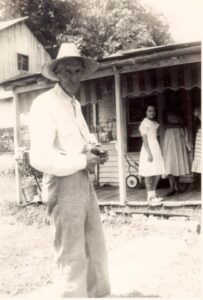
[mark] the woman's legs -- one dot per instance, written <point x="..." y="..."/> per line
<point x="155" y="181"/>
<point x="173" y="185"/>
<point x="151" y="184"/>
<point x="171" y="179"/>
<point x="176" y="183"/>
<point x="148" y="183"/>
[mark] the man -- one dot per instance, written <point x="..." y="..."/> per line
<point x="60" y="147"/>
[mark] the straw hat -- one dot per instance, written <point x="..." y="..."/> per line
<point x="68" y="50"/>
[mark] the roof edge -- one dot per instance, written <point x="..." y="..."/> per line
<point x="140" y="51"/>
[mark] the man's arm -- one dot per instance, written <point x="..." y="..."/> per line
<point x="43" y="156"/>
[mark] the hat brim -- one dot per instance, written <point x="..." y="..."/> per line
<point x="90" y="66"/>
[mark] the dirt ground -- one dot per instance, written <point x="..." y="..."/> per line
<point x="148" y="257"/>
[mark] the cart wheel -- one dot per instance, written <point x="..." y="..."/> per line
<point x="132" y="181"/>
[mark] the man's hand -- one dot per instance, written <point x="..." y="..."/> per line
<point x="92" y="160"/>
<point x="101" y="153"/>
<point x="104" y="157"/>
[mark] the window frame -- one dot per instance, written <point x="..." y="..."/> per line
<point x="22" y="62"/>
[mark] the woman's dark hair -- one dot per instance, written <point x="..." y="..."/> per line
<point x="176" y="112"/>
<point x="148" y="105"/>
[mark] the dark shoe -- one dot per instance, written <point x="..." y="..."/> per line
<point x="178" y="192"/>
<point x="170" y="193"/>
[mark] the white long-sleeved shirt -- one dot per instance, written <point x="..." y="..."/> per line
<point x="58" y="134"/>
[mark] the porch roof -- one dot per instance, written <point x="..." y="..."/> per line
<point x="144" y="71"/>
<point x="149" y="50"/>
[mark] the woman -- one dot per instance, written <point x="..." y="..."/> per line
<point x="175" y="148"/>
<point x="196" y="164"/>
<point x="151" y="165"/>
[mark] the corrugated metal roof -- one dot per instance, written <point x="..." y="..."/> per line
<point x="6" y="24"/>
<point x="148" y="50"/>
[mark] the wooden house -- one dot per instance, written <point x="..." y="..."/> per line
<point x="22" y="52"/>
<point x="114" y="98"/>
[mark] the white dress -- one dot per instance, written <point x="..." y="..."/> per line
<point x="156" y="167"/>
<point x="196" y="165"/>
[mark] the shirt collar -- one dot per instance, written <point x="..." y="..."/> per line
<point x="61" y="93"/>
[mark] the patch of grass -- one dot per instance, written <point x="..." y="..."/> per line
<point x="26" y="255"/>
<point x="33" y="214"/>
<point x="26" y="250"/>
<point x="27" y="215"/>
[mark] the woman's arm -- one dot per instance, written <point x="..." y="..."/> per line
<point x="147" y="148"/>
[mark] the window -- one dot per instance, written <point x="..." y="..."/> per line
<point x="23" y="62"/>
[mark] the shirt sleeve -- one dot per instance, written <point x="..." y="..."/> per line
<point x="144" y="128"/>
<point x="43" y="156"/>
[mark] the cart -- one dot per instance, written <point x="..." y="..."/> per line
<point x="133" y="180"/>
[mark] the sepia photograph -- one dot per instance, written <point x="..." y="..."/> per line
<point x="100" y="149"/>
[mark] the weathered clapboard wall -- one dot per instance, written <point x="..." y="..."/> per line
<point x="7" y="116"/>
<point x="105" y="111"/>
<point x="18" y="38"/>
<point x="108" y="173"/>
<point x="26" y="99"/>
<point x="99" y="94"/>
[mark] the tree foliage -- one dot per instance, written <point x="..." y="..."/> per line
<point x="99" y="27"/>
<point x="50" y="17"/>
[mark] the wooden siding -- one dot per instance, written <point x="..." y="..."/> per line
<point x="106" y="110"/>
<point x="19" y="39"/>
<point x="26" y="99"/>
<point x="6" y="113"/>
<point x="7" y="117"/>
<point x="108" y="173"/>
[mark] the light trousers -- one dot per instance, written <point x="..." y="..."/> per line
<point x="81" y="257"/>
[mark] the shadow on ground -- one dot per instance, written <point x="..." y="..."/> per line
<point x="134" y="294"/>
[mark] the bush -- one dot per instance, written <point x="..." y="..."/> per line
<point x="6" y="140"/>
<point x="7" y="166"/>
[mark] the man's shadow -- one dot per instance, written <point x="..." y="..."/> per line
<point x="134" y="294"/>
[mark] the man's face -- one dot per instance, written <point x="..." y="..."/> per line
<point x="69" y="73"/>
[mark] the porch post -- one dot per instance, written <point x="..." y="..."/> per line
<point x="120" y="139"/>
<point x="16" y="148"/>
<point x="94" y="112"/>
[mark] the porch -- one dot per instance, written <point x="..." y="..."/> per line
<point x="187" y="204"/>
<point x="113" y="99"/>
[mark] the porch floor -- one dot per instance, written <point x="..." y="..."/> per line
<point x="137" y="198"/>
<point x="111" y="193"/>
